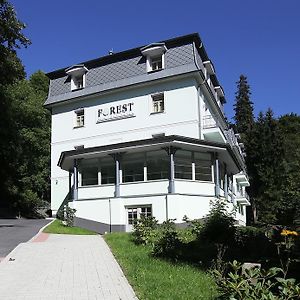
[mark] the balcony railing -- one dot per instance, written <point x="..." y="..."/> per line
<point x="209" y="122"/>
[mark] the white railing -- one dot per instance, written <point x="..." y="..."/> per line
<point x="209" y="122"/>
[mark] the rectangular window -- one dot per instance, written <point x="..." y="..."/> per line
<point x="89" y="176"/>
<point x="79" y="122"/>
<point x="135" y="213"/>
<point x="156" y="63"/>
<point x="158" y="103"/>
<point x="133" y="167"/>
<point x="203" y="167"/>
<point x="157" y="165"/>
<point x="183" y="165"/>
<point x="78" y="82"/>
<point x="108" y="174"/>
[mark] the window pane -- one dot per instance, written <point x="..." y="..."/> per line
<point x="89" y="176"/>
<point x="157" y="165"/>
<point x="133" y="168"/>
<point x="108" y="173"/>
<point x="203" y="166"/>
<point x="183" y="164"/>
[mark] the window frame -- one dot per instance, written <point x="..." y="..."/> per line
<point x="153" y="101"/>
<point x="74" y="82"/>
<point x="79" y="118"/>
<point x="137" y="209"/>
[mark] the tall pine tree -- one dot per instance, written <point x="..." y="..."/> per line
<point x="243" y="107"/>
<point x="244" y="124"/>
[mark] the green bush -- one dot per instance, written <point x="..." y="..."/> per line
<point x="66" y="214"/>
<point x="253" y="284"/>
<point x="252" y="243"/>
<point x="219" y="226"/>
<point x="168" y="244"/>
<point x="144" y="230"/>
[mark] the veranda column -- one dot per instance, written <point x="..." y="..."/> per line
<point x="117" y="157"/>
<point x="171" y="152"/>
<point x="226" y="184"/>
<point x="217" y="176"/>
<point x="75" y="180"/>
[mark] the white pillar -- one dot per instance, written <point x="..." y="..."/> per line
<point x="75" y="179"/>
<point x="217" y="177"/>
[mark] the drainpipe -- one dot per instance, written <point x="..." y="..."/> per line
<point x="167" y="213"/>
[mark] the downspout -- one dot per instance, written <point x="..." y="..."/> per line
<point x="167" y="214"/>
<point x="109" y="205"/>
<point x="198" y="90"/>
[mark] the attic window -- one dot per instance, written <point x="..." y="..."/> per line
<point x="78" y="76"/>
<point x="155" y="56"/>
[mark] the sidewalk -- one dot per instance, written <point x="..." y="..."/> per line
<point x="63" y="267"/>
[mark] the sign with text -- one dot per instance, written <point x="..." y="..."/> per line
<point x="116" y="112"/>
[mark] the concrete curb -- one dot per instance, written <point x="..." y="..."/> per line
<point x="8" y="256"/>
<point x="41" y="230"/>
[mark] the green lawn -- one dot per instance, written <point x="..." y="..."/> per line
<point x="157" y="279"/>
<point x="59" y="228"/>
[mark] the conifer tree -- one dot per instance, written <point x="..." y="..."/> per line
<point x="243" y="107"/>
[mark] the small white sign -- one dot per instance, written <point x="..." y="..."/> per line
<point x="116" y="112"/>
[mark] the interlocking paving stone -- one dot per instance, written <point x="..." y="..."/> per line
<point x="63" y="267"/>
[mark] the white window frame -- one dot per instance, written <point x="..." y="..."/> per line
<point x="77" y="73"/>
<point x="150" y="60"/>
<point x="74" y="82"/>
<point x="79" y="118"/>
<point x="155" y="99"/>
<point x="138" y="209"/>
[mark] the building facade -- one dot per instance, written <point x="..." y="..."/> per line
<point x="143" y="132"/>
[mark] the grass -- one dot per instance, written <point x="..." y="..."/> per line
<point x="155" y="279"/>
<point x="58" y="228"/>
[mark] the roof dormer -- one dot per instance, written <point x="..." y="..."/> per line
<point x="78" y="76"/>
<point x="155" y="56"/>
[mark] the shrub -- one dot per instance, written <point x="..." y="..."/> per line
<point x="195" y="226"/>
<point x="219" y="226"/>
<point x="66" y="214"/>
<point x="168" y="244"/>
<point x="144" y="230"/>
<point x="255" y="284"/>
<point x="252" y="243"/>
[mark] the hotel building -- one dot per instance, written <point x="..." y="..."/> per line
<point x="143" y="132"/>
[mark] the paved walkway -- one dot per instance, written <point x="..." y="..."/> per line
<point x="63" y="267"/>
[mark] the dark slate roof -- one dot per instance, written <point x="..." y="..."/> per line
<point x="127" y="68"/>
<point x="127" y="54"/>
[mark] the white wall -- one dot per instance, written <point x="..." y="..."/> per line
<point x="180" y="118"/>
<point x="174" y="207"/>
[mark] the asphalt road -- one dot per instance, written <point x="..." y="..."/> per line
<point x="16" y="231"/>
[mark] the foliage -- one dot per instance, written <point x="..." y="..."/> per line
<point x="195" y="226"/>
<point x="251" y="243"/>
<point x="66" y="214"/>
<point x="144" y="230"/>
<point x="30" y="144"/>
<point x="57" y="227"/>
<point x="243" y="107"/>
<point x="153" y="278"/>
<point x="255" y="284"/>
<point x="168" y="244"/>
<point x="219" y="226"/>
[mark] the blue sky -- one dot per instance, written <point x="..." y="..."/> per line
<point x="259" y="38"/>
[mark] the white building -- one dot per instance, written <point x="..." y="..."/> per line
<point x="143" y="132"/>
